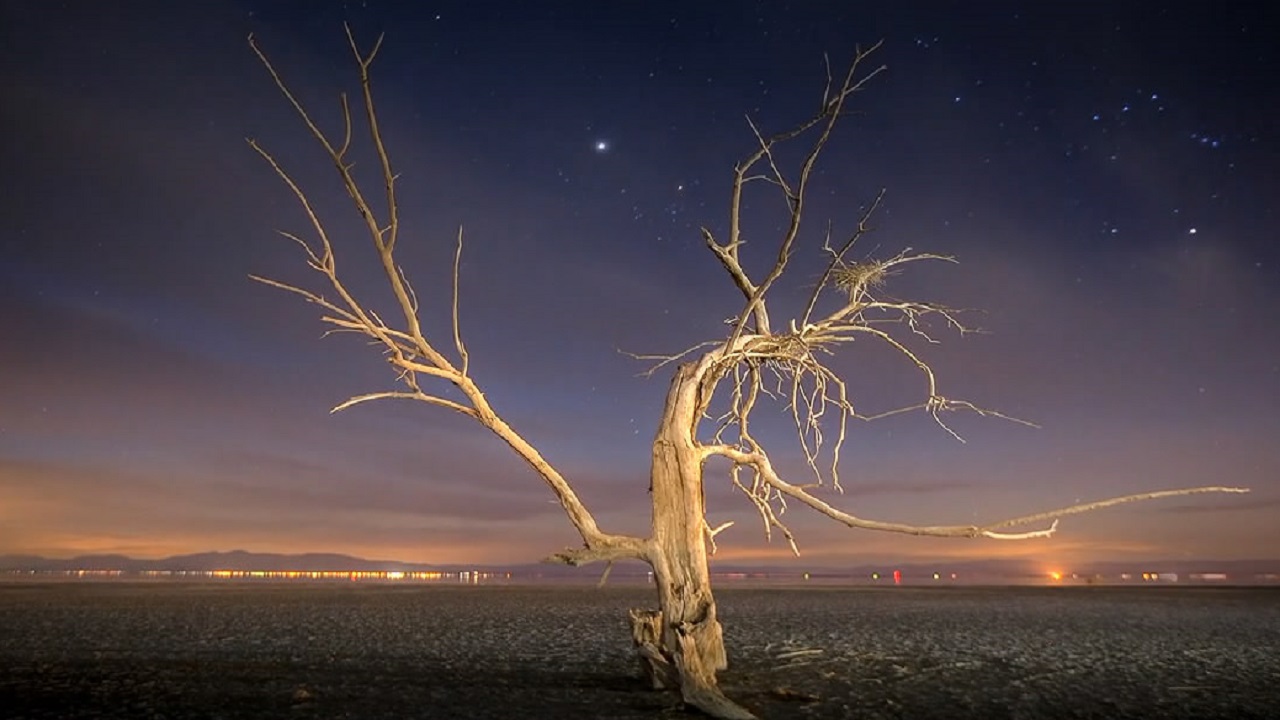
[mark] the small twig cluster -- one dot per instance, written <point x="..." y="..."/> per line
<point x="790" y="365"/>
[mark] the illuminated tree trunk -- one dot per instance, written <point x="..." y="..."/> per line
<point x="681" y="643"/>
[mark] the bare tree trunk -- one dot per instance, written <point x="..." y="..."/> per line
<point x="681" y="643"/>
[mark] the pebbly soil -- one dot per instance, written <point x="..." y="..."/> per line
<point x="309" y="651"/>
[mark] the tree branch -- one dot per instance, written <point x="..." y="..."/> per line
<point x="387" y="241"/>
<point x="420" y="396"/>
<point x="603" y="548"/>
<point x="837" y="256"/>
<point x="1100" y="504"/>
<point x="463" y="355"/>
<point x="407" y="348"/>
<point x="759" y="462"/>
<point x="826" y="118"/>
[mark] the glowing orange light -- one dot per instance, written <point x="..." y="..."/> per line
<point x="1055" y="575"/>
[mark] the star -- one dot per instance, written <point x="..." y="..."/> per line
<point x="601" y="146"/>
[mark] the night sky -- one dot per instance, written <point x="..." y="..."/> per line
<point x="1105" y="173"/>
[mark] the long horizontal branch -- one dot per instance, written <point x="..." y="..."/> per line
<point x="760" y="462"/>
<point x="1099" y="504"/>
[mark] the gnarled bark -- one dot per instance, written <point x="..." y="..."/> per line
<point x="682" y="641"/>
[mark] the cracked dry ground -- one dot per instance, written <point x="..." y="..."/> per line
<point x="190" y="650"/>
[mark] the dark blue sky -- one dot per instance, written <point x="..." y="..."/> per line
<point x="1105" y="173"/>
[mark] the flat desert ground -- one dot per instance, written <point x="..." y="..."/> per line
<point x="180" y="650"/>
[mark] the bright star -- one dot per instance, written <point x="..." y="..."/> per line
<point x="602" y="146"/>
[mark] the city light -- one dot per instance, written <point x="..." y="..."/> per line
<point x="464" y="576"/>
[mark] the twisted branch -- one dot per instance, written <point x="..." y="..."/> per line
<point x="406" y="346"/>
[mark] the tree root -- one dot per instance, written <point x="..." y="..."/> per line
<point x="685" y="669"/>
<point x="646" y="633"/>
<point x="713" y="702"/>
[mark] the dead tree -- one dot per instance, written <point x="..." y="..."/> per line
<point x="715" y="388"/>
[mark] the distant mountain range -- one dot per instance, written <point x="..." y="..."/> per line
<point x="974" y="570"/>
<point x="239" y="560"/>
